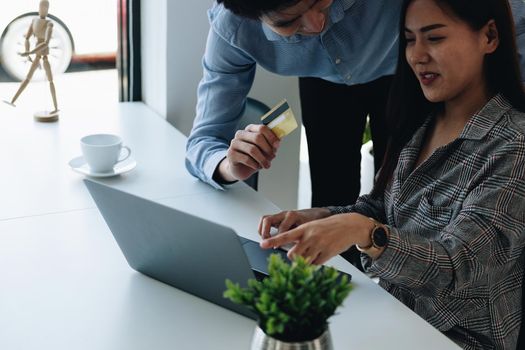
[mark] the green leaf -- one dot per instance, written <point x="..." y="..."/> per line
<point x="296" y="299"/>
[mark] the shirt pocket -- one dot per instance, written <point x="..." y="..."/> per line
<point x="433" y="217"/>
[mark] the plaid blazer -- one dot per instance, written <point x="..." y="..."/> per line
<point x="457" y="223"/>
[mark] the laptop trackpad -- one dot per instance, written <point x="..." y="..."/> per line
<point x="258" y="257"/>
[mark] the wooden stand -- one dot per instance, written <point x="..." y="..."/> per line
<point x="46" y="116"/>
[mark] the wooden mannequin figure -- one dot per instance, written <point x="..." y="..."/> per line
<point x="42" y="29"/>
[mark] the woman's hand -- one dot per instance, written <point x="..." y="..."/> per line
<point x="320" y="240"/>
<point x="287" y="220"/>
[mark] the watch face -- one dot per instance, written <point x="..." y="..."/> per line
<point x="380" y="237"/>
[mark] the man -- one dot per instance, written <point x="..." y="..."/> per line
<point x="344" y="47"/>
<point x="344" y="51"/>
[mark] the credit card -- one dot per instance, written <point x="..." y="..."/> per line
<point x="280" y="119"/>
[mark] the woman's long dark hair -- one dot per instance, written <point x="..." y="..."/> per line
<point x="408" y="108"/>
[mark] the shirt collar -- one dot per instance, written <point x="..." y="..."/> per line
<point x="337" y="13"/>
<point x="476" y="128"/>
<point x="483" y="121"/>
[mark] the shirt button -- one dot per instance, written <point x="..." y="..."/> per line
<point x="349" y="76"/>
<point x="337" y="60"/>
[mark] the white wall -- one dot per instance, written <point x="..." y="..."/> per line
<point x="187" y="32"/>
<point x="173" y="40"/>
<point x="154" y="56"/>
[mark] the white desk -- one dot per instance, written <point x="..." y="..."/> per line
<point x="66" y="285"/>
<point x="36" y="177"/>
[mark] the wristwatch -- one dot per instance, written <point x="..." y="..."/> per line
<point x="379" y="237"/>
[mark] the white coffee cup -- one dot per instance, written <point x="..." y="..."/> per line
<point x="103" y="151"/>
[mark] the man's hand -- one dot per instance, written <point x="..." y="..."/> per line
<point x="320" y="240"/>
<point x="251" y="149"/>
<point x="287" y="220"/>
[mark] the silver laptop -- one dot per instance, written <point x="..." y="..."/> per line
<point x="182" y="250"/>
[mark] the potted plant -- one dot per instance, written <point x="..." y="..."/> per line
<point x="293" y="303"/>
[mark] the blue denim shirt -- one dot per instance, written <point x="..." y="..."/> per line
<point x="358" y="45"/>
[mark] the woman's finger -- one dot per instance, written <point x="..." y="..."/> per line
<point x="282" y="239"/>
<point x="289" y="221"/>
<point x="267" y="222"/>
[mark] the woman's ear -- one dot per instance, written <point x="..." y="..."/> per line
<point x="490" y="36"/>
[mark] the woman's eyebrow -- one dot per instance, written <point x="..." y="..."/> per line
<point x="427" y="28"/>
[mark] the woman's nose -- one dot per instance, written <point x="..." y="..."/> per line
<point x="417" y="54"/>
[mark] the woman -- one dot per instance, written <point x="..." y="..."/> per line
<point x="444" y="227"/>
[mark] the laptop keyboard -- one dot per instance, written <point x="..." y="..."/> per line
<point x="258" y="258"/>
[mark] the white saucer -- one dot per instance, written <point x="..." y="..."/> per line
<point x="79" y="165"/>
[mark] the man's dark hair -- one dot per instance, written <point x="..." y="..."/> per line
<point x="254" y="9"/>
<point x="408" y="107"/>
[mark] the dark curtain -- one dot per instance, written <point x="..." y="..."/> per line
<point x="128" y="54"/>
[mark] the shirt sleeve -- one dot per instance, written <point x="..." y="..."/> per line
<point x="485" y="239"/>
<point x="228" y="74"/>
<point x="365" y="205"/>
